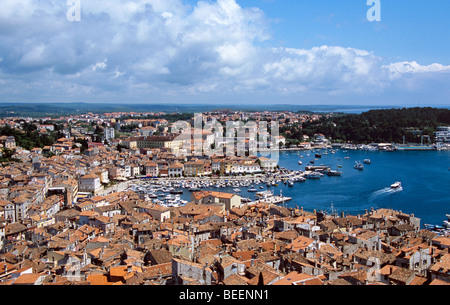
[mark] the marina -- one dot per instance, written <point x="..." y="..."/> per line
<point x="332" y="179"/>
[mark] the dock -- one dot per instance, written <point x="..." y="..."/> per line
<point x="316" y="168"/>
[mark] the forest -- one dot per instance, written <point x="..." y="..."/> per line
<point x="412" y="125"/>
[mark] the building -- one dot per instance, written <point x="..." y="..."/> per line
<point x="109" y="133"/>
<point x="159" y="212"/>
<point x="267" y="164"/>
<point x="170" y="142"/>
<point x="10" y="142"/>
<point x="443" y="134"/>
<point x="151" y="169"/>
<point x="228" y="201"/>
<point x="175" y="170"/>
<point x="89" y="183"/>
<point x="194" y="168"/>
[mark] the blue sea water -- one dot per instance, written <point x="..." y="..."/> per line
<point x="425" y="178"/>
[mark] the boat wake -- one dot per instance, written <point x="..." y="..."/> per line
<point x="386" y="192"/>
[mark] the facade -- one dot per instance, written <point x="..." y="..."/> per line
<point x="443" y="135"/>
<point x="228" y="201"/>
<point x="10" y="142"/>
<point x="267" y="164"/>
<point x="193" y="168"/>
<point x="159" y="213"/>
<point x="109" y="133"/>
<point x="89" y="183"/>
<point x="151" y="169"/>
<point x="170" y="142"/>
<point x="175" y="170"/>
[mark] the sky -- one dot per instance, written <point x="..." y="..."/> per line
<point x="225" y="52"/>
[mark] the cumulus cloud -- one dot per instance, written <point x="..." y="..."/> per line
<point x="144" y="48"/>
<point x="399" y="68"/>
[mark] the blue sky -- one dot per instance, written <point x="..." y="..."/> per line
<point x="225" y="51"/>
<point x="409" y="30"/>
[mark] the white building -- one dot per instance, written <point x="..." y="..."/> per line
<point x="109" y="133"/>
<point x="175" y="170"/>
<point x="267" y="164"/>
<point x="443" y="134"/>
<point x="89" y="183"/>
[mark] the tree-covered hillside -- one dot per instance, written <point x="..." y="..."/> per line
<point x="376" y="126"/>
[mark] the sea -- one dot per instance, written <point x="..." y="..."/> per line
<point x="425" y="178"/>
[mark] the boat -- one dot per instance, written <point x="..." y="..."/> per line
<point x="152" y="195"/>
<point x="176" y="191"/>
<point x="237" y="190"/>
<point x="264" y="194"/>
<point x="291" y="183"/>
<point x="300" y="179"/>
<point x="333" y="173"/>
<point x="396" y="185"/>
<point x="314" y="175"/>
<point x="252" y="190"/>
<point x="318" y="155"/>
<point x="358" y="166"/>
<point x="367" y="161"/>
<point x="300" y="162"/>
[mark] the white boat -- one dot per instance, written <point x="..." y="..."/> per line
<point x="314" y="175"/>
<point x="367" y="161"/>
<point x="237" y="190"/>
<point x="265" y="194"/>
<point x="396" y="185"/>
<point x="300" y="162"/>
<point x="358" y="166"/>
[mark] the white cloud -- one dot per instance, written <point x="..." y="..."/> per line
<point x="147" y="48"/>
<point x="100" y="65"/>
<point x="399" y="68"/>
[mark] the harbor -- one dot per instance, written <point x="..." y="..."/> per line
<point x="176" y="192"/>
<point x="331" y="179"/>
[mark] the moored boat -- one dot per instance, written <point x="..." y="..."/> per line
<point x="358" y="166"/>
<point x="314" y="175"/>
<point x="333" y="173"/>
